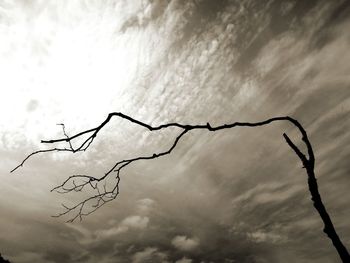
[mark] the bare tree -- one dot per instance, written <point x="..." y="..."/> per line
<point x="104" y="194"/>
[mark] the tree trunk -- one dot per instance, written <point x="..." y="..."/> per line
<point x="328" y="225"/>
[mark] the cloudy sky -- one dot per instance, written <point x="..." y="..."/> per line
<point x="237" y="195"/>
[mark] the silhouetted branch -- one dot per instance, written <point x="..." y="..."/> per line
<point x="2" y="260"/>
<point x="301" y="156"/>
<point x="40" y="151"/>
<point x="87" y="206"/>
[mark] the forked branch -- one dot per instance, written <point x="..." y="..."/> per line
<point x="104" y="194"/>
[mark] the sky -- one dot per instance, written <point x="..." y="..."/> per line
<point x="237" y="195"/>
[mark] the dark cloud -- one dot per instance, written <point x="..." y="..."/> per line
<point x="336" y="16"/>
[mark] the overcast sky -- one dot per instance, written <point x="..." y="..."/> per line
<point x="237" y="195"/>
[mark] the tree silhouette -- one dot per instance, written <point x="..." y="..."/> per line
<point x="104" y="194"/>
<point x="2" y="260"/>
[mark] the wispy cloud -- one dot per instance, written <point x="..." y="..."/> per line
<point x="149" y="254"/>
<point x="235" y="196"/>
<point x="185" y="243"/>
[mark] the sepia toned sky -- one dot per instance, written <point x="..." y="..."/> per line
<point x="237" y="195"/>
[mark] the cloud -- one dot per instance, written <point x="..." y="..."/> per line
<point x="150" y="254"/>
<point x="146" y="13"/>
<point x="185" y="243"/>
<point x="136" y="222"/>
<point x="131" y="222"/>
<point x="263" y="236"/>
<point x="242" y="60"/>
<point x="184" y="260"/>
<point x="145" y="205"/>
<point x="24" y="257"/>
<point x="87" y="236"/>
<point x="269" y="192"/>
<point x="105" y="233"/>
<point x="32" y="105"/>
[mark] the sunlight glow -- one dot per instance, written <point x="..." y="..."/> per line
<point x="63" y="67"/>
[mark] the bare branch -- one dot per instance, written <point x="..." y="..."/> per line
<point x="77" y="183"/>
<point x="301" y="156"/>
<point x="64" y="132"/>
<point x="40" y="151"/>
